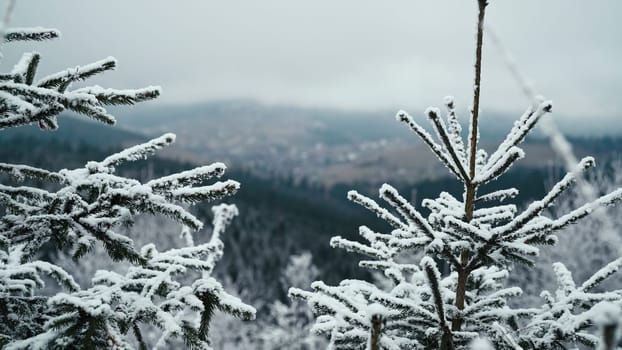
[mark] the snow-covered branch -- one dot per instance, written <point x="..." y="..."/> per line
<point x="24" y="100"/>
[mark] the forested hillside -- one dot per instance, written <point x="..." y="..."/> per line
<point x="281" y="217"/>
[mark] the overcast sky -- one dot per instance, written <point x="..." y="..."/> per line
<point x="353" y="54"/>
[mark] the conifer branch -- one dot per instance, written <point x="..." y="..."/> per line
<point x="62" y="79"/>
<point x="30" y="34"/>
<point x="22" y="101"/>
<point x="433" y="277"/>
<point x="455" y="130"/>
<point x="382" y="213"/>
<point x="163" y="290"/>
<point x="441" y="130"/>
<point x="537" y="207"/>
<point x="391" y="195"/>
<point x="402" y="116"/>
<point x="20" y="172"/>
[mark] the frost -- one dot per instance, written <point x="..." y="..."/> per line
<point x="164" y="298"/>
<point x="481" y="344"/>
<point x="25" y="100"/>
<point x="479" y="240"/>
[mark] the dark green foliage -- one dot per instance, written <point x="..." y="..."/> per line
<point x="209" y="303"/>
<point x="21" y="315"/>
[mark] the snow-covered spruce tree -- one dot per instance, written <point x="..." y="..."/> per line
<point x="170" y="290"/>
<point x="479" y="237"/>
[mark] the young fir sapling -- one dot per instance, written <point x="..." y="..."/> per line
<point x="479" y="237"/>
<point x="170" y="290"/>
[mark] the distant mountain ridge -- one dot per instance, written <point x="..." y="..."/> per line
<point x="324" y="146"/>
<point x="329" y="126"/>
<point x="368" y="124"/>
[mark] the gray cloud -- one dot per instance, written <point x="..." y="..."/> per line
<point x="354" y="54"/>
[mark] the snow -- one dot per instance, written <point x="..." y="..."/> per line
<point x="78" y="72"/>
<point x="42" y="101"/>
<point x="22" y="65"/>
<point x="564" y="278"/>
<point x="481" y="344"/>
<point x="139" y="151"/>
<point x="382" y="213"/>
<point x="20" y="172"/>
<point x="188" y="177"/>
<point x="165" y="290"/>
<point x="606" y="313"/>
<point x="601" y="275"/>
<point x="403" y="116"/>
<point x="588" y="208"/>
<point x="40" y="341"/>
<point x="496" y="238"/>
<point x="391" y="195"/>
<point x="161" y="267"/>
<point x="168" y="289"/>
<point x="492" y="170"/>
<point x="450" y="139"/>
<point x="108" y="94"/>
<point x="339" y="242"/>
<point x="30" y="33"/>
<point x="499" y="195"/>
<point x="521" y="127"/>
<point x="211" y="192"/>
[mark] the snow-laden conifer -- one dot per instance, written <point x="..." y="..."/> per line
<point x="26" y="98"/>
<point x="480" y="236"/>
<point x="170" y="290"/>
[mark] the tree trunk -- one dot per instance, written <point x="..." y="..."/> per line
<point x="376" y="327"/>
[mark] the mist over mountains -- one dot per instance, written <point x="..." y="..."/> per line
<point x="326" y="146"/>
<point x="323" y="147"/>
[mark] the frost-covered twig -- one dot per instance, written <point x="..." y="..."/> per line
<point x="172" y="290"/>
<point x="480" y="245"/>
<point x="25" y="101"/>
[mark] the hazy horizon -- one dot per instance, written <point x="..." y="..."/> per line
<point x="351" y="55"/>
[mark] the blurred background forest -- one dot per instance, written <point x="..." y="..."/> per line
<point x="302" y="113"/>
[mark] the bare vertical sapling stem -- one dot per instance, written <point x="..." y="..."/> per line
<point x="470" y="186"/>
